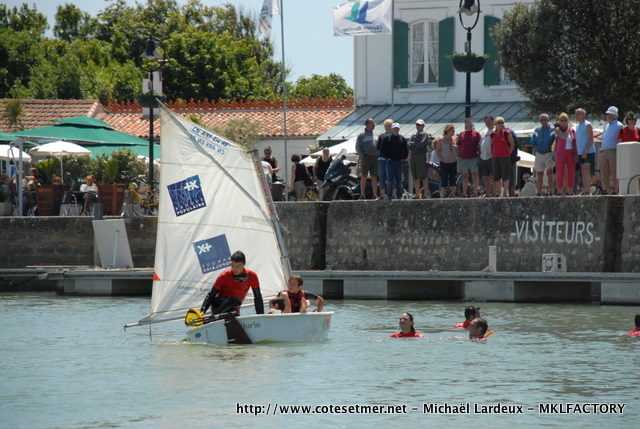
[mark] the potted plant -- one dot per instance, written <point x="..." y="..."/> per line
<point x="48" y="195"/>
<point x="468" y="62"/>
<point x="110" y="195"/>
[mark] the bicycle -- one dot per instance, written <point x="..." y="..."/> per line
<point x="141" y="200"/>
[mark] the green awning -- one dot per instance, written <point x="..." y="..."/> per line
<point x="81" y="130"/>
<point x="7" y="137"/>
<point x="140" y="149"/>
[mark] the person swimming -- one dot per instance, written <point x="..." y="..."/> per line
<point x="478" y="329"/>
<point x="406" y="328"/>
<point x="636" y="332"/>
<point x="470" y="313"/>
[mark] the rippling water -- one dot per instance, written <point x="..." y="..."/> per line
<point x="65" y="362"/>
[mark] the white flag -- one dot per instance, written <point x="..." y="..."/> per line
<point x="269" y="8"/>
<point x="362" y="18"/>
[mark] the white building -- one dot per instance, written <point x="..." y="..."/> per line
<point x="408" y="75"/>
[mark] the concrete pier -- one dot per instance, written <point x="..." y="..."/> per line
<point x="100" y="282"/>
<point x="606" y="288"/>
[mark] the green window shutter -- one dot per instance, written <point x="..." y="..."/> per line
<point x="445" y="48"/>
<point x="491" y="71"/>
<point x="400" y="54"/>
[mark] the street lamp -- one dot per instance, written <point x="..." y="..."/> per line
<point x="151" y="61"/>
<point x="469" y="8"/>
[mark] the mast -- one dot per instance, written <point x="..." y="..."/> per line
<point x="284" y="91"/>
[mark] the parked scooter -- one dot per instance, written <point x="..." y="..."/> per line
<point x="339" y="183"/>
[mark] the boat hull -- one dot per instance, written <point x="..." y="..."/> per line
<point x="288" y="328"/>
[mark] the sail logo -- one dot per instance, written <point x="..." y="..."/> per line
<point x="213" y="253"/>
<point x="187" y="195"/>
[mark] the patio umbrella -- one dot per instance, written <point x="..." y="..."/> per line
<point x="61" y="148"/>
<point x="82" y="129"/>
<point x="349" y="145"/>
<point x="8" y="153"/>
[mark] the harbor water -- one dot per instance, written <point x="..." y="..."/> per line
<point x="66" y="362"/>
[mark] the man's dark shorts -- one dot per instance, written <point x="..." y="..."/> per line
<point x="590" y="159"/>
<point x="369" y="164"/>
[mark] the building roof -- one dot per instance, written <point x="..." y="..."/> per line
<point x="42" y="113"/>
<point x="305" y="118"/>
<point x="518" y="116"/>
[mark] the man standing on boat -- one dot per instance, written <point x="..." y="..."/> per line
<point x="231" y="287"/>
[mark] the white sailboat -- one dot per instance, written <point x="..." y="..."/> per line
<point x="214" y="200"/>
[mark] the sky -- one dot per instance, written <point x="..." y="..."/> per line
<point x="310" y="46"/>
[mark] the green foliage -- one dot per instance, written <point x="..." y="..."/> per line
<point x="72" y="23"/>
<point x="13" y="113"/>
<point x="330" y="86"/>
<point x="23" y="20"/>
<point x="211" y="52"/>
<point x="76" y="168"/>
<point x="119" y="167"/>
<point x="243" y="131"/>
<point x="111" y="169"/>
<point x="49" y="168"/>
<point x="563" y="57"/>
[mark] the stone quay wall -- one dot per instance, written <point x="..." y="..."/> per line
<point x="595" y="234"/>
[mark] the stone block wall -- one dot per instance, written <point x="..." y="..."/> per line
<point x="596" y="234"/>
<point x="630" y="237"/>
<point x="59" y="240"/>
<point x="454" y="234"/>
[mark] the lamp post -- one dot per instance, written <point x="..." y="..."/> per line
<point x="154" y="62"/>
<point x="469" y="8"/>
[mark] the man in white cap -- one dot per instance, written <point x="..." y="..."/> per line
<point x="608" y="151"/>
<point x="418" y="146"/>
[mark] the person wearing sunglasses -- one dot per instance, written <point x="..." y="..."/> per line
<point x="273" y="162"/>
<point x="566" y="153"/>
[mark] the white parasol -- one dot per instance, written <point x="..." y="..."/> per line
<point x="61" y="148"/>
<point x="8" y="152"/>
<point x="349" y="145"/>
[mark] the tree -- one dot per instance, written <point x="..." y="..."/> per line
<point x="129" y="166"/>
<point x="330" y="86"/>
<point x="13" y="114"/>
<point x="25" y="19"/>
<point x="243" y="131"/>
<point x="72" y="23"/>
<point x="563" y="57"/>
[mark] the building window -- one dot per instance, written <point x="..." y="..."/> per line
<point x="505" y="79"/>
<point x="424" y="52"/>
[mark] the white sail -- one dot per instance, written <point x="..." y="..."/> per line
<point x="214" y="200"/>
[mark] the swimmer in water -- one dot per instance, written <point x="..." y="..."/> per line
<point x="636" y="331"/>
<point x="478" y="328"/>
<point x="406" y="328"/>
<point x="471" y="312"/>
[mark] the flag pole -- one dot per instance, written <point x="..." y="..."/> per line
<point x="284" y="95"/>
<point x="393" y="65"/>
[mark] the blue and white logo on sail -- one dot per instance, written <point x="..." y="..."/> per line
<point x="187" y="195"/>
<point x="213" y="253"/>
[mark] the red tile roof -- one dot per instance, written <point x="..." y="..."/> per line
<point x="308" y="118"/>
<point x="305" y="118"/>
<point x="42" y="113"/>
